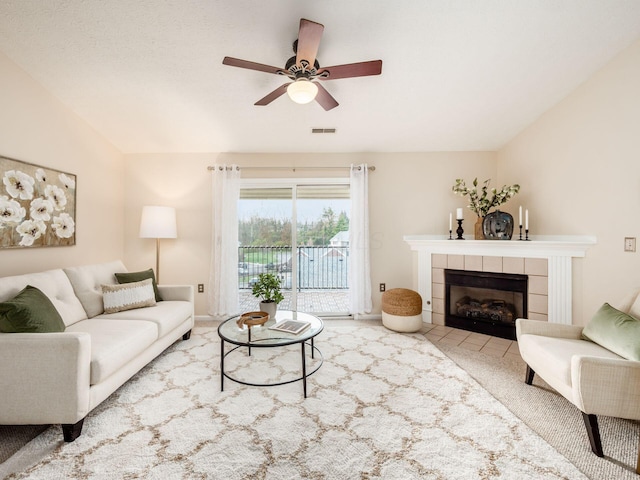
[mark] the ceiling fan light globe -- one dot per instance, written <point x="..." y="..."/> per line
<point x="302" y="91"/>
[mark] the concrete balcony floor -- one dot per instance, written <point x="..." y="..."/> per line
<point x="311" y="301"/>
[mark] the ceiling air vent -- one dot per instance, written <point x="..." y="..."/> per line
<point x="323" y="130"/>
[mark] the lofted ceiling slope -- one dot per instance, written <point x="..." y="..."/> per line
<point x="457" y="75"/>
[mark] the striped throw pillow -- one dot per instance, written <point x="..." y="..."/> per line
<point x="127" y="296"/>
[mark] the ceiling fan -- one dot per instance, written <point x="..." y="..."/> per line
<point x="304" y="70"/>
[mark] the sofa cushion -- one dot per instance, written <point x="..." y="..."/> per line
<point x="30" y="312"/>
<point x="87" y="283"/>
<point x="166" y="315"/>
<point x="114" y="344"/>
<point x="55" y="285"/>
<point x="615" y="331"/>
<point x="119" y="298"/>
<point x="129" y="277"/>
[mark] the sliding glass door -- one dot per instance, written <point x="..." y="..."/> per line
<point x="298" y="231"/>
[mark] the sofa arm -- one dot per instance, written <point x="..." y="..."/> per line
<point x="547" y="329"/>
<point x="606" y="386"/>
<point x="44" y="377"/>
<point x="177" y="292"/>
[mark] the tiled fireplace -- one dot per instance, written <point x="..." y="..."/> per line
<point x="485" y="302"/>
<point x="545" y="261"/>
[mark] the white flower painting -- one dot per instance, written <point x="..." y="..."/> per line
<point x="37" y="206"/>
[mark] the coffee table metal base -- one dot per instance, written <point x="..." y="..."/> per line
<point x="256" y="344"/>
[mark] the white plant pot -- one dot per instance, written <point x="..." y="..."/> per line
<point x="270" y="308"/>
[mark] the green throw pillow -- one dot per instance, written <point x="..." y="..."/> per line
<point x="30" y="311"/>
<point x="615" y="331"/>
<point x="138" y="277"/>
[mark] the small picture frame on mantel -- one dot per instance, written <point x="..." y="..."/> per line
<point x="37" y="206"/>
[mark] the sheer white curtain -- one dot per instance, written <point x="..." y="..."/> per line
<point x="223" y="274"/>
<point x="359" y="269"/>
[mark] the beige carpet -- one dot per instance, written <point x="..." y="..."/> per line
<point x="552" y="417"/>
<point x="383" y="405"/>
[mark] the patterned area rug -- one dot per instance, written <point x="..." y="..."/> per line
<point x="383" y="405"/>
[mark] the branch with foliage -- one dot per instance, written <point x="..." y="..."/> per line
<point x="479" y="201"/>
<point x="268" y="288"/>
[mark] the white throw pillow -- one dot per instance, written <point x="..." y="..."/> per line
<point x="128" y="296"/>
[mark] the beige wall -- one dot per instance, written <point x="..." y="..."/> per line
<point x="579" y="166"/>
<point x="36" y="128"/>
<point x="409" y="193"/>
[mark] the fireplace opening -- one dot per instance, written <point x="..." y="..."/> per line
<point x="485" y="302"/>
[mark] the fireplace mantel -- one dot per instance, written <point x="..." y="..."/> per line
<point x="557" y="250"/>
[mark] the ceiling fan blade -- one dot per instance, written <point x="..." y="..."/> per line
<point x="325" y="99"/>
<point x="309" y="36"/>
<point x="236" y="62"/>
<point x="273" y="95"/>
<point x="360" y="69"/>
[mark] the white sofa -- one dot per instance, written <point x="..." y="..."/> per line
<point x="58" y="378"/>
<point x="594" y="378"/>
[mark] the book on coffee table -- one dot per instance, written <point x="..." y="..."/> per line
<point x="290" y="326"/>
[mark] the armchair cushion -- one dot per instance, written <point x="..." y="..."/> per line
<point x="30" y="311"/>
<point x="616" y="331"/>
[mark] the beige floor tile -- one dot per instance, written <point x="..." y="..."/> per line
<point x="433" y="337"/>
<point x="471" y="346"/>
<point x="477" y="340"/>
<point x="499" y="348"/>
<point x="461" y="334"/>
<point x="496" y="346"/>
<point x="492" y="351"/>
<point x="513" y="348"/>
<point x="442" y="330"/>
<point x="514" y="356"/>
<point x="451" y="341"/>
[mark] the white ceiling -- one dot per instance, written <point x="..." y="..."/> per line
<point x="456" y="74"/>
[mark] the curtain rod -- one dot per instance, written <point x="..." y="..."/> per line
<point x="371" y="168"/>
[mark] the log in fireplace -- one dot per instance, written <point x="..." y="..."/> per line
<point x="485" y="302"/>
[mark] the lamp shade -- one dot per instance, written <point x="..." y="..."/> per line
<point x="158" y="222"/>
<point x="302" y="91"/>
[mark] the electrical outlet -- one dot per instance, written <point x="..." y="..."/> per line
<point x="383" y="287"/>
<point x="201" y="288"/>
<point x="629" y="244"/>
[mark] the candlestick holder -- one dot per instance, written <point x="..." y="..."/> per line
<point x="526" y="235"/>
<point x="520" y="233"/>
<point x="459" y="230"/>
<point x="450" y="238"/>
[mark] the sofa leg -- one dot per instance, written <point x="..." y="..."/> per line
<point x="591" y="422"/>
<point x="529" y="376"/>
<point x="71" y="431"/>
<point x="187" y="335"/>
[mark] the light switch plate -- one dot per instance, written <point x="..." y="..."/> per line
<point x="629" y="244"/>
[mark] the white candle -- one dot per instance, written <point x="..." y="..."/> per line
<point x="450" y="221"/>
<point x="520" y="216"/>
<point x="459" y="214"/>
<point x="526" y="219"/>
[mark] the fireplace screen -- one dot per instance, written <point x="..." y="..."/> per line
<point x="485" y="302"/>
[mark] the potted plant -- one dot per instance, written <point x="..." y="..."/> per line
<point x="480" y="203"/>
<point x="268" y="289"/>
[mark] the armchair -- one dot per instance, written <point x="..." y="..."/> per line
<point x="593" y="378"/>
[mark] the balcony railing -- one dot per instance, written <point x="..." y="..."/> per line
<point x="318" y="267"/>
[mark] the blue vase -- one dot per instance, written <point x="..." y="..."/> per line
<point x="497" y="226"/>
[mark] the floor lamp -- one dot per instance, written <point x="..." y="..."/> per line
<point x="158" y="222"/>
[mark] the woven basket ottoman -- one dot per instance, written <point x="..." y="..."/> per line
<point x="402" y="310"/>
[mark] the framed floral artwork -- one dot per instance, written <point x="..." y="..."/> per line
<point x="37" y="206"/>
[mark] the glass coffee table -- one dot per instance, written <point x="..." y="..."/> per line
<point x="246" y="338"/>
